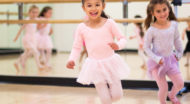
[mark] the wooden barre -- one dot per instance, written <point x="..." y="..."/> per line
<point x="59" y="1"/>
<point x="41" y="21"/>
<point x="69" y="21"/>
<point x="11" y="13"/>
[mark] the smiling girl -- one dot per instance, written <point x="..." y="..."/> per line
<point x="103" y="67"/>
<point x="160" y="39"/>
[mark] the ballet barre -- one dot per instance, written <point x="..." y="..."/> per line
<point x="60" y="1"/>
<point x="11" y="13"/>
<point x="69" y="21"/>
<point x="40" y="21"/>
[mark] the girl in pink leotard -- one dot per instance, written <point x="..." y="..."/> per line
<point x="139" y="35"/>
<point x="103" y="67"/>
<point x="29" y="41"/>
<point x="45" y="44"/>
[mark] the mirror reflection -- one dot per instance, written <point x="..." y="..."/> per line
<point x="46" y="52"/>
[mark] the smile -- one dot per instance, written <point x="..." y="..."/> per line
<point x="94" y="13"/>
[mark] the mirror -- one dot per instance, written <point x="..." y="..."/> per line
<point x="62" y="39"/>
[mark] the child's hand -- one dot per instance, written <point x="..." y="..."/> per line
<point x="15" y="40"/>
<point x="114" y="46"/>
<point x="70" y="65"/>
<point x="130" y="37"/>
<point x="183" y="38"/>
<point x="141" y="46"/>
<point x="161" y="62"/>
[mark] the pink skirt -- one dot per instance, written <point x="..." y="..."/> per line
<point x="29" y="41"/>
<point x="44" y="42"/>
<point x="170" y="66"/>
<point x="103" y="71"/>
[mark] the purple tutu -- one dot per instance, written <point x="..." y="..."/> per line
<point x="104" y="70"/>
<point x="170" y="66"/>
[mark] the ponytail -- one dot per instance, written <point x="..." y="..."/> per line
<point x="104" y="15"/>
<point x="140" y="26"/>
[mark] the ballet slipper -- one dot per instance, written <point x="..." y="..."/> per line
<point x="143" y="66"/>
<point x="174" y="99"/>
<point x="41" y="68"/>
<point x="49" y="66"/>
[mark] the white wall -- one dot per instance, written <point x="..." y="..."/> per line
<point x="8" y="32"/>
<point x="63" y="33"/>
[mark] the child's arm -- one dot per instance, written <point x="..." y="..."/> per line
<point x="178" y="43"/>
<point x="118" y="34"/>
<point x="41" y="26"/>
<point x="133" y="36"/>
<point x="51" y="31"/>
<point x="19" y="33"/>
<point x="147" y="47"/>
<point x="183" y="34"/>
<point x="76" y="49"/>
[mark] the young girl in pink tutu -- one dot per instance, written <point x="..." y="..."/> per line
<point x="29" y="40"/>
<point x="103" y="67"/>
<point x="161" y="38"/>
<point x="139" y="35"/>
<point x="45" y="44"/>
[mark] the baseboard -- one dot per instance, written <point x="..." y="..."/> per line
<point x="61" y="81"/>
<point x="10" y="51"/>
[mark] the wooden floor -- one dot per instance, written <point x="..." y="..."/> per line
<point x="29" y="94"/>
<point x="59" y="60"/>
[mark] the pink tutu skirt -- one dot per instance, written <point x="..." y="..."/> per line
<point x="44" y="42"/>
<point x="170" y="66"/>
<point x="103" y="71"/>
<point x="29" y="41"/>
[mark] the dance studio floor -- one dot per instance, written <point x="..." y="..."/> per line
<point x="30" y="94"/>
<point x="59" y="60"/>
<point x="33" y="94"/>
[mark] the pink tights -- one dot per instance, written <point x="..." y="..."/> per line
<point x="177" y="81"/>
<point x="45" y="56"/>
<point x="109" y="93"/>
<point x="28" y="53"/>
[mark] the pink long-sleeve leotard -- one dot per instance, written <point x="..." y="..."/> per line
<point x="97" y="40"/>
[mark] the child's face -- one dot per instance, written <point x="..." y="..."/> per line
<point x="48" y="14"/>
<point x="161" y="12"/>
<point x="93" y="8"/>
<point x="34" y="13"/>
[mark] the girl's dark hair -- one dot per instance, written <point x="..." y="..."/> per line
<point x="103" y="13"/>
<point x="44" y="10"/>
<point x="140" y="26"/>
<point x="150" y="10"/>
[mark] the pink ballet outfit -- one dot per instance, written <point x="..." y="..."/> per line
<point x="29" y="39"/>
<point x="139" y="38"/>
<point x="162" y="41"/>
<point x="140" y="42"/>
<point x="102" y="64"/>
<point x="44" y="40"/>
